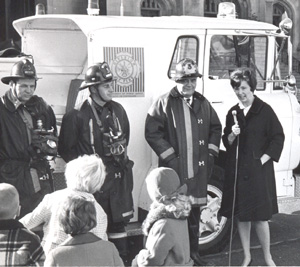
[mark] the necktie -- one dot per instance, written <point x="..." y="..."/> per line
<point x="188" y="101"/>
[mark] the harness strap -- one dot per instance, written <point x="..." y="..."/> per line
<point x="99" y="123"/>
<point x="26" y="117"/>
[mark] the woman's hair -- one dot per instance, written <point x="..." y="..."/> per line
<point x="86" y="173"/>
<point x="77" y="215"/>
<point x="239" y="75"/>
<point x="179" y="205"/>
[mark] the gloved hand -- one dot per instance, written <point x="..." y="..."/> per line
<point x="236" y="129"/>
<point x="44" y="144"/>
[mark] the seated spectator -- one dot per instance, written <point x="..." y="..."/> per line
<point x="84" y="176"/>
<point x="18" y="245"/>
<point x="166" y="226"/>
<point x="82" y="248"/>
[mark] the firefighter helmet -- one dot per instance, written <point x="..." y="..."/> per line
<point x="186" y="68"/>
<point x="22" y="69"/>
<point x="96" y="74"/>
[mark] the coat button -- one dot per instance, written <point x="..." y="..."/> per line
<point x="201" y="163"/>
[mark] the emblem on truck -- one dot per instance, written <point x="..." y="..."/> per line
<point x="125" y="68"/>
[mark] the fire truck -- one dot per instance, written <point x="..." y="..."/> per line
<point x="142" y="54"/>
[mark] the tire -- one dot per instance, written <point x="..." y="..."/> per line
<point x="214" y="230"/>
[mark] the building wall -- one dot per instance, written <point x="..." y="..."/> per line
<point x="131" y="7"/>
<point x="192" y="7"/>
<point x="66" y="6"/>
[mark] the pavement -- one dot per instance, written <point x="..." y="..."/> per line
<point x="285" y="240"/>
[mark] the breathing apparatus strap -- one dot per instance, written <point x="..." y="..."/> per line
<point x="99" y="123"/>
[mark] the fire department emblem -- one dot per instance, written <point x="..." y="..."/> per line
<point x="125" y="68"/>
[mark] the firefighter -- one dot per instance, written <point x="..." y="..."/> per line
<point x="27" y="136"/>
<point x="184" y="131"/>
<point x="101" y="127"/>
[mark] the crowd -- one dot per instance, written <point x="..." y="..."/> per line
<point x="84" y="224"/>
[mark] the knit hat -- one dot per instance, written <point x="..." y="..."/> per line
<point x="164" y="182"/>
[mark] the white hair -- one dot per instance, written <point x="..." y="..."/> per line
<point x="85" y="173"/>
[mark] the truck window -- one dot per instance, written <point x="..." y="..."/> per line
<point x="228" y="52"/>
<point x="186" y="47"/>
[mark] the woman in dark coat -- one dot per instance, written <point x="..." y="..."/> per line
<point x="258" y="134"/>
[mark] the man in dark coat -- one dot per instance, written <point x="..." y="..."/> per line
<point x="27" y="136"/>
<point x="101" y="127"/>
<point x="185" y="132"/>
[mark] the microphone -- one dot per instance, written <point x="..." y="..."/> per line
<point x="234" y="117"/>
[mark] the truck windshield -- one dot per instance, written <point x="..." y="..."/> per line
<point x="228" y="52"/>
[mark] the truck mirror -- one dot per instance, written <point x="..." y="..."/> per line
<point x="286" y="25"/>
<point x="290" y="84"/>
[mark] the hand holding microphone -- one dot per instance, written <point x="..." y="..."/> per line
<point x="235" y="128"/>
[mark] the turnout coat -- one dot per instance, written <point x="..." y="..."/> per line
<point x="261" y="133"/>
<point x="17" y="153"/>
<point x="80" y="134"/>
<point x="183" y="136"/>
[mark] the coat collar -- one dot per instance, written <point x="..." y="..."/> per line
<point x="256" y="105"/>
<point x="175" y="93"/>
<point x="10" y="101"/>
<point x="81" y="239"/>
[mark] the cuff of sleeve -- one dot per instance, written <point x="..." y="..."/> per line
<point x="213" y="149"/>
<point x="168" y="154"/>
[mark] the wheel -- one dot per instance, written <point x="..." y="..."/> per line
<point x="214" y="230"/>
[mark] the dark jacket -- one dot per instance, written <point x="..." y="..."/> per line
<point x="16" y="152"/>
<point x="80" y="134"/>
<point x="261" y="133"/>
<point x="183" y="137"/>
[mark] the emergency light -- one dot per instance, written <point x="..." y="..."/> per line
<point x="93" y="8"/>
<point x="226" y="10"/>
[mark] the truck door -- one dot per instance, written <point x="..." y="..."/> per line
<point x="229" y="50"/>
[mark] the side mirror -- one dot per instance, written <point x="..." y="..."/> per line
<point x="286" y="25"/>
<point x="290" y="84"/>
